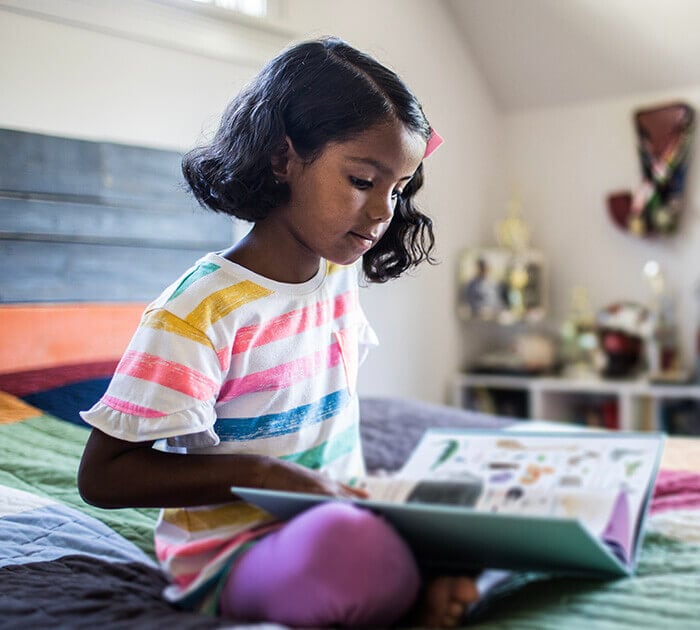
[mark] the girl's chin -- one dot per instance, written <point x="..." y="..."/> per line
<point x="346" y="260"/>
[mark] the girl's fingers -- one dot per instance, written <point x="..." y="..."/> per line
<point x="357" y="493"/>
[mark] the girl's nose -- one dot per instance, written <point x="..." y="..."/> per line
<point x="382" y="208"/>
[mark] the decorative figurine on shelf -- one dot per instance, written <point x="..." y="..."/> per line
<point x="580" y="354"/>
<point x="527" y="354"/>
<point x="481" y="296"/>
<point x="504" y="284"/>
<point x="662" y="342"/>
<point x="622" y="329"/>
<point x="665" y="135"/>
<point x="513" y="233"/>
<point x="522" y="282"/>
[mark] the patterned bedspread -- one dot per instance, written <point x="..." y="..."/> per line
<point x="663" y="593"/>
<point x="60" y="566"/>
<point x="66" y="564"/>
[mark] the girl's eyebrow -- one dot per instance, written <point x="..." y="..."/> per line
<point x="381" y="167"/>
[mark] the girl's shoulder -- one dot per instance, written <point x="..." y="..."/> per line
<point x="212" y="298"/>
<point x="204" y="280"/>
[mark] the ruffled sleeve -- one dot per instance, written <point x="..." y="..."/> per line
<point x="165" y="386"/>
<point x="196" y="424"/>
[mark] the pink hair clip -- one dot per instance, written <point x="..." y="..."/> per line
<point x="434" y="141"/>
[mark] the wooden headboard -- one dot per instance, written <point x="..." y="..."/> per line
<point x="89" y="233"/>
<point x="95" y="221"/>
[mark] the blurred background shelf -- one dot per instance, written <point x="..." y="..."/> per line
<point x="626" y="405"/>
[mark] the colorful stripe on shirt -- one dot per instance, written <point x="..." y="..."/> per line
<point x="168" y="374"/>
<point x="330" y="450"/>
<point x="273" y="425"/>
<point x="283" y="375"/>
<point x="293" y="322"/>
<point x="200" y="271"/>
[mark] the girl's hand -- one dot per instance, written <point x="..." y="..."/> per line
<point x="283" y="475"/>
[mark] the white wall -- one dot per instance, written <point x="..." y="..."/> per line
<point x="165" y="90"/>
<point x="565" y="160"/>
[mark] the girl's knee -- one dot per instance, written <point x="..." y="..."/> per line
<point x="333" y="564"/>
<point x="345" y="528"/>
<point x="365" y="556"/>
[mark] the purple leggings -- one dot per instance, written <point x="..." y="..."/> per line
<point x="332" y="565"/>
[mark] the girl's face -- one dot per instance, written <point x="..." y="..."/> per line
<point x="342" y="202"/>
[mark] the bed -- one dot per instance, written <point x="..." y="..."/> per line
<point x="66" y="564"/>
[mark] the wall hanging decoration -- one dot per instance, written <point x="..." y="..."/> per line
<point x="664" y="136"/>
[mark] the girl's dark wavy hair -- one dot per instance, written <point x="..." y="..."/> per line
<point x="315" y="93"/>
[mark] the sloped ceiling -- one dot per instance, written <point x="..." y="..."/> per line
<point x="540" y="53"/>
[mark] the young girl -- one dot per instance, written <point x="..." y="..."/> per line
<point x="243" y="372"/>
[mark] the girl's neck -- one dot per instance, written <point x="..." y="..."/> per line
<point x="262" y="252"/>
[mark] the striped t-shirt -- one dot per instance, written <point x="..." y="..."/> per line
<point x="227" y="361"/>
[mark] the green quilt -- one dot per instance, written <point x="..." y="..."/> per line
<point x="41" y="455"/>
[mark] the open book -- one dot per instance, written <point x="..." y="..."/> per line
<point x="571" y="503"/>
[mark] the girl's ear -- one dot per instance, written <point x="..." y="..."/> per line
<point x="283" y="159"/>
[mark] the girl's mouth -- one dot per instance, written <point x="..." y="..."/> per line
<point x="368" y="239"/>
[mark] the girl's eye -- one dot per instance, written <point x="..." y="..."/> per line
<point x="362" y="184"/>
<point x="365" y="184"/>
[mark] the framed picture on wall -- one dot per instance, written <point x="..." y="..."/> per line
<point x="497" y="284"/>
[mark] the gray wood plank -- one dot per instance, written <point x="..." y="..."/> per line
<point x="41" y="164"/>
<point x="83" y="220"/>
<point x="175" y="226"/>
<point x="68" y="272"/>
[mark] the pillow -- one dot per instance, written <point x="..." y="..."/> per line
<point x="391" y="427"/>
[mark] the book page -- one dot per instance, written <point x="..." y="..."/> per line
<point x="461" y="492"/>
<point x="388" y="489"/>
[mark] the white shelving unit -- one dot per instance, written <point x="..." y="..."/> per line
<point x="551" y="398"/>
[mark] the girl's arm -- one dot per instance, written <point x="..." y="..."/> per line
<point x="115" y="473"/>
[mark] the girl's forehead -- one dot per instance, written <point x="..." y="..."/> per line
<point x="391" y="144"/>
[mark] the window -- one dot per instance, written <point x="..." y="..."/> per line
<point x="244" y="32"/>
<point x="256" y="8"/>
